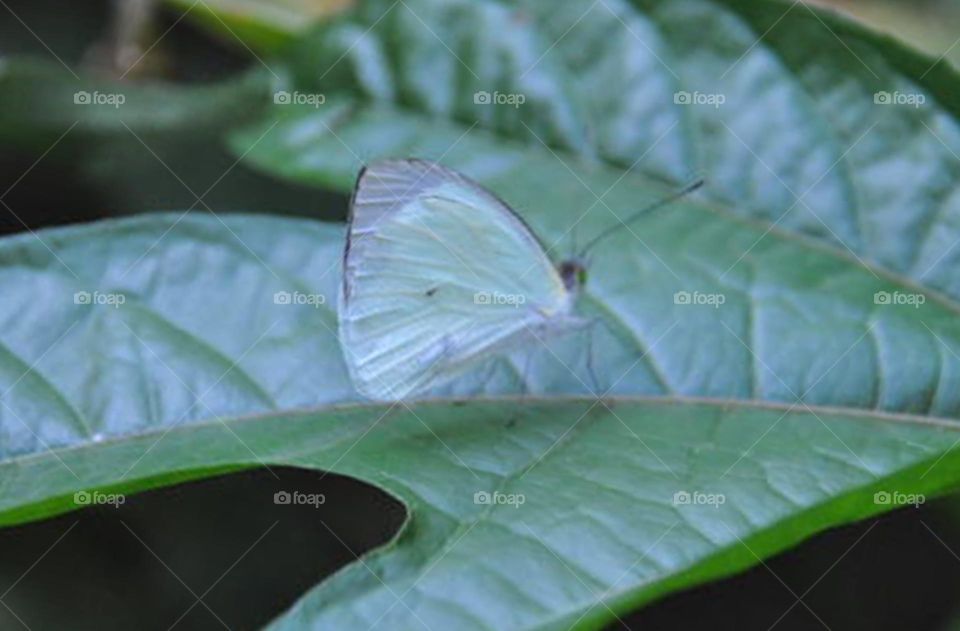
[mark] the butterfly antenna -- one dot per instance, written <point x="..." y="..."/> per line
<point x="686" y="190"/>
<point x="573" y="240"/>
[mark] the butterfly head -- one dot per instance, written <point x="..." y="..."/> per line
<point x="573" y="271"/>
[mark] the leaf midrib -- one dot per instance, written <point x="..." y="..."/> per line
<point x="754" y="404"/>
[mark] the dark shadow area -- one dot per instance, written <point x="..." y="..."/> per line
<point x="61" y="175"/>
<point x="143" y="184"/>
<point x="899" y="571"/>
<point x="231" y="541"/>
<point x="143" y="564"/>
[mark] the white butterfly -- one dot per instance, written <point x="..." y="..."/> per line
<point x="439" y="274"/>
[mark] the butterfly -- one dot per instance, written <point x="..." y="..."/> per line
<point x="438" y="275"/>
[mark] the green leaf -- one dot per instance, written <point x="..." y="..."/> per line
<point x="191" y="366"/>
<point x="43" y="100"/>
<point x="261" y="25"/>
<point x="798" y="144"/>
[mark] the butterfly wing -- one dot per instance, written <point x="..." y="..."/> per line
<point x="437" y="273"/>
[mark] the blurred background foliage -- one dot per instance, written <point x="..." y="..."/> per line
<point x="193" y="71"/>
<point x="933" y="26"/>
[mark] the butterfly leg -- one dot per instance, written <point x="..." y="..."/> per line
<point x="525" y="377"/>
<point x="491" y="372"/>
<point x="595" y="383"/>
<point x="524" y="388"/>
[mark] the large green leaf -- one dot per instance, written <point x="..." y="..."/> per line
<point x="593" y="528"/>
<point x="799" y="142"/>
<point x="197" y="369"/>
